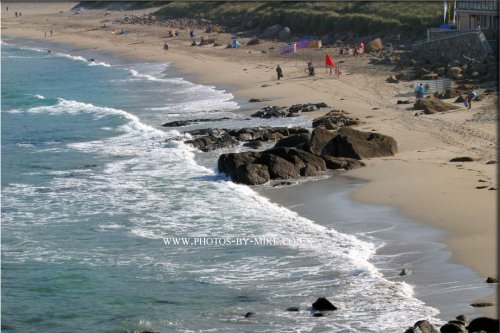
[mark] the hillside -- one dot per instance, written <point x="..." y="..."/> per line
<point x="359" y="18"/>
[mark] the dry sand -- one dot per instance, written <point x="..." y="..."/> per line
<point x="419" y="180"/>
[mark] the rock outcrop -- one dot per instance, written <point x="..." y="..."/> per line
<point x="305" y="154"/>
<point x="433" y="105"/>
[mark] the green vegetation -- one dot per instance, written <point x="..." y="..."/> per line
<point x="313" y="18"/>
<point x="358" y="17"/>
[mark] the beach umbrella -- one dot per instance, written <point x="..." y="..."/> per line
<point x="329" y="61"/>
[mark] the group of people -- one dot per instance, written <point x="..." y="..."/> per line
<point x="50" y="34"/>
<point x="469" y="97"/>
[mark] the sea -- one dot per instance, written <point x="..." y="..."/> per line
<point x="110" y="223"/>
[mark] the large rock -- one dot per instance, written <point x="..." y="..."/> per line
<point x="455" y="72"/>
<point x="320" y="141"/>
<point x="433" y="105"/>
<point x="374" y="45"/>
<point x="294" y="140"/>
<point x="334" y="163"/>
<point x="209" y="143"/>
<point x="271" y="112"/>
<point x="486" y="324"/>
<point x="251" y="174"/>
<point x="228" y="163"/>
<point x="348" y="142"/>
<point x="253" y="41"/>
<point x="272" y="31"/>
<point x="423" y="326"/>
<point x="333" y="120"/>
<point x="285" y="34"/>
<point x="279" y="168"/>
<point x="306" y="164"/>
<point x="322" y="304"/>
<point x="452" y="328"/>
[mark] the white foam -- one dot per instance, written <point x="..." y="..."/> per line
<point x="39" y="96"/>
<point x="69" y="56"/>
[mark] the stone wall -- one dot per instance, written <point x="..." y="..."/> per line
<point x="472" y="45"/>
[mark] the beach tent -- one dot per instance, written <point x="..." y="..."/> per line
<point x="329" y="61"/>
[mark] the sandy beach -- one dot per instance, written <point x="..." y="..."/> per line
<point x="419" y="181"/>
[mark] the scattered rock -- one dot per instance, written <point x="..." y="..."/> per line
<point x="374" y="45"/>
<point x="180" y="123"/>
<point x="285" y="34"/>
<point x="463" y="318"/>
<point x="256" y="100"/>
<point x="404" y="102"/>
<point x="272" y="31"/>
<point x="425" y="327"/>
<point x="481" y="305"/>
<point x="283" y="184"/>
<point x="462" y="159"/>
<point x="433" y="105"/>
<point x="392" y="79"/>
<point x="335" y="163"/>
<point x="255" y="144"/>
<point x="318" y="314"/>
<point x="322" y="304"/>
<point x="249" y="314"/>
<point x="486" y="324"/>
<point x="405" y="272"/>
<point x="293" y="309"/>
<point x="452" y="328"/>
<point x="491" y="280"/>
<point x="491" y="162"/>
<point x="481" y="187"/>
<point x="270" y="112"/>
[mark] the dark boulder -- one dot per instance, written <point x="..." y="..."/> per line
<point x="425" y="327"/>
<point x="462" y="159"/>
<point x="252" y="174"/>
<point x="305" y="163"/>
<point x="208" y="143"/>
<point x="255" y="144"/>
<point x="348" y="142"/>
<point x="228" y="163"/>
<point x="294" y="140"/>
<point x="179" y="123"/>
<point x="333" y="120"/>
<point x="270" y="112"/>
<point x="452" y="328"/>
<point x="293" y="309"/>
<point x="279" y="168"/>
<point x="356" y="144"/>
<point x="463" y="318"/>
<point x="481" y="304"/>
<point x="249" y="314"/>
<point x="334" y="163"/>
<point x="320" y="141"/>
<point x="308" y="107"/>
<point x="491" y="280"/>
<point x="486" y="324"/>
<point x="322" y="304"/>
<point x="318" y="314"/>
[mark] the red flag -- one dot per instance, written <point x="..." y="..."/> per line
<point x="328" y="61"/>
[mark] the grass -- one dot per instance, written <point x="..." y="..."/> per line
<point x="304" y="18"/>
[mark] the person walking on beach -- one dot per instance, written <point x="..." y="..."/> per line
<point x="50" y="33"/>
<point x="165" y="47"/>
<point x="7" y="8"/>
<point x="419" y="91"/>
<point x="15" y="14"/>
<point x="471" y="94"/>
<point x="279" y="72"/>
<point x="310" y="68"/>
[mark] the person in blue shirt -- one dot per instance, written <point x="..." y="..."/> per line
<point x="419" y="91"/>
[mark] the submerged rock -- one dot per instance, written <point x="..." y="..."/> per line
<point x="322" y="304"/>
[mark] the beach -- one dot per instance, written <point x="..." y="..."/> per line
<point x="419" y="182"/>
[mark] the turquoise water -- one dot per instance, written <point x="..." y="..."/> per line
<point x="91" y="187"/>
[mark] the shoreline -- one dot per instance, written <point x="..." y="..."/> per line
<point x="418" y="150"/>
